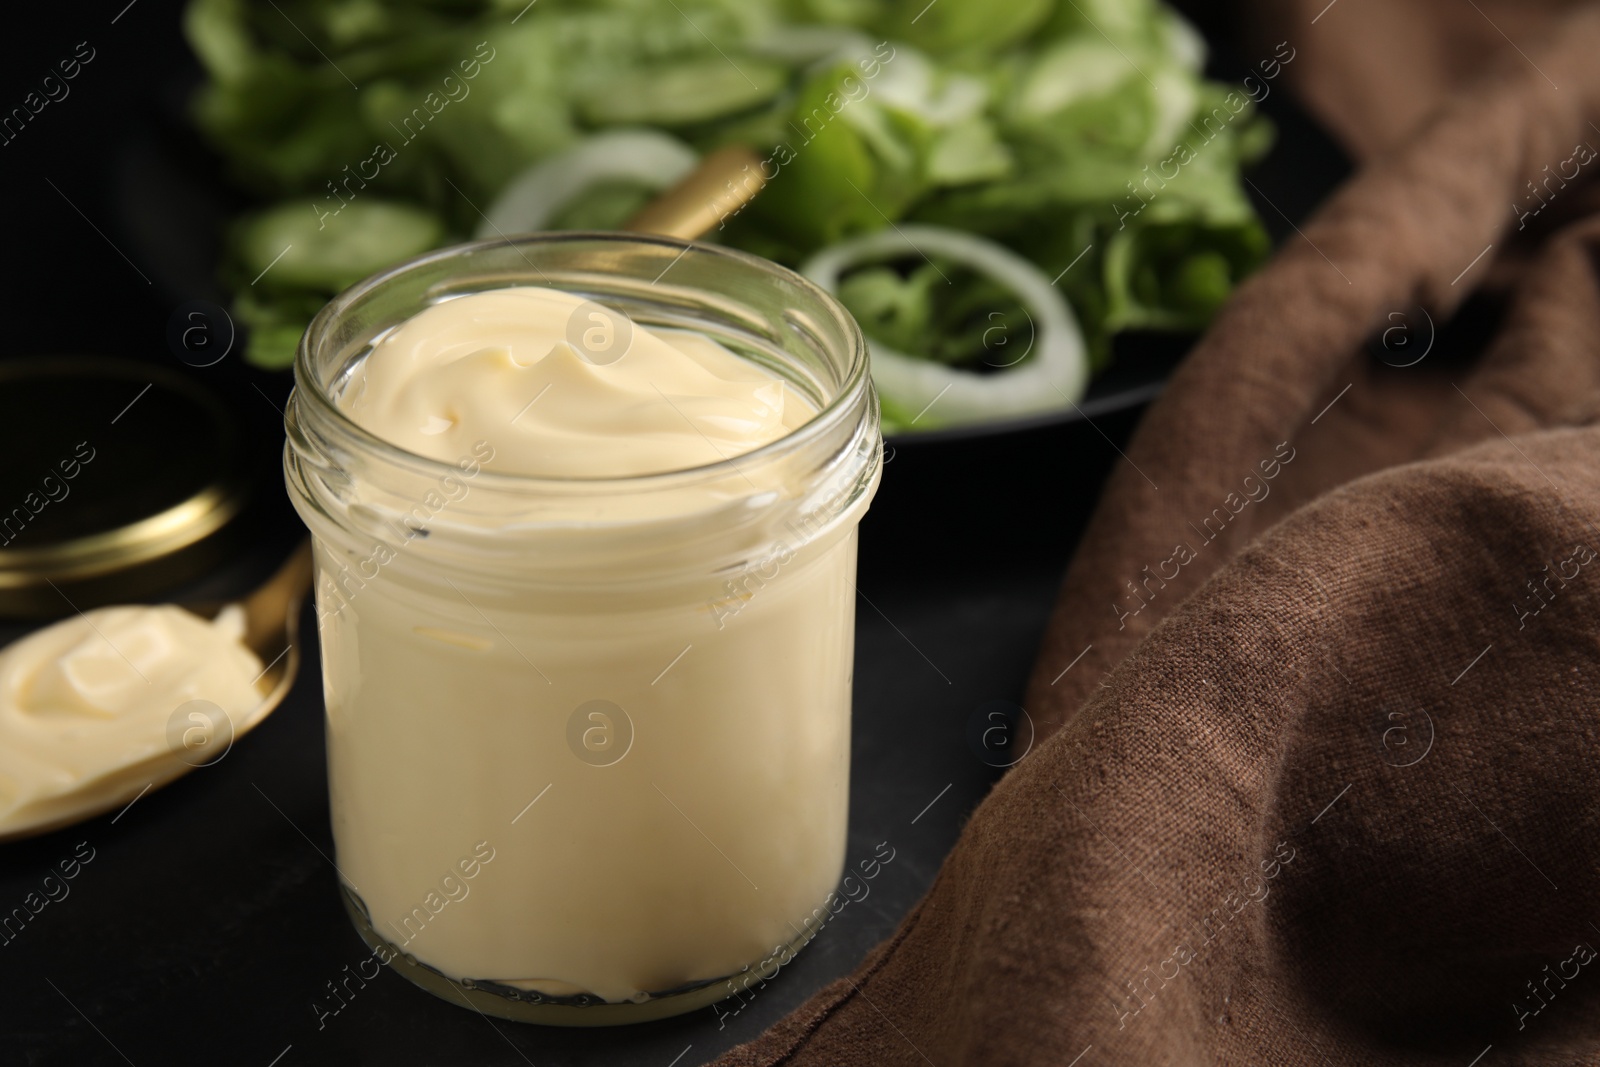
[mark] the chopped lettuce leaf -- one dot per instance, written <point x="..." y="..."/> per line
<point x="604" y="206"/>
<point x="301" y="245"/>
<point x="679" y="94"/>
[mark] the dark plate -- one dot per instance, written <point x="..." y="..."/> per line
<point x="1138" y="370"/>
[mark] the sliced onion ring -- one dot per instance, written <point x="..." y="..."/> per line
<point x="1054" y="378"/>
<point x="648" y="158"/>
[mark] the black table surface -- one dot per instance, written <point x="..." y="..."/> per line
<point x="206" y="927"/>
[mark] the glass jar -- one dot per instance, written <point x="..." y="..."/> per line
<point x="589" y="738"/>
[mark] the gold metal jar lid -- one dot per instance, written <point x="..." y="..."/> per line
<point x="117" y="476"/>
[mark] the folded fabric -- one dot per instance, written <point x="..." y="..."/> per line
<point x="1320" y="702"/>
<point x="1374" y="70"/>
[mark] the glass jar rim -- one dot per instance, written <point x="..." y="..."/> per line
<point x="838" y="406"/>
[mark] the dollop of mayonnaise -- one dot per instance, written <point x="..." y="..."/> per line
<point x="89" y="700"/>
<point x="614" y="399"/>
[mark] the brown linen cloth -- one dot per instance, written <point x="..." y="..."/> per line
<point x="1328" y="796"/>
<point x="1373" y="70"/>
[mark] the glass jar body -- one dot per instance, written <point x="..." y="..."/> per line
<point x="588" y="742"/>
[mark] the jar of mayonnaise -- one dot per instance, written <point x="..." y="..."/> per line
<point x="584" y="511"/>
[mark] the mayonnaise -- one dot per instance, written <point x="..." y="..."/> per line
<point x="564" y="387"/>
<point x="640" y="751"/>
<point x="87" y="705"/>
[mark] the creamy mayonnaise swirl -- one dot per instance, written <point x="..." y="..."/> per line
<point x="565" y="388"/>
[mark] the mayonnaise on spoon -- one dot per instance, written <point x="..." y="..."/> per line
<point x="87" y="705"/>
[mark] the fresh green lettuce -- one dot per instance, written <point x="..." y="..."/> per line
<point x="1080" y="134"/>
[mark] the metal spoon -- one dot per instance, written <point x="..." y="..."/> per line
<point x="717" y="189"/>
